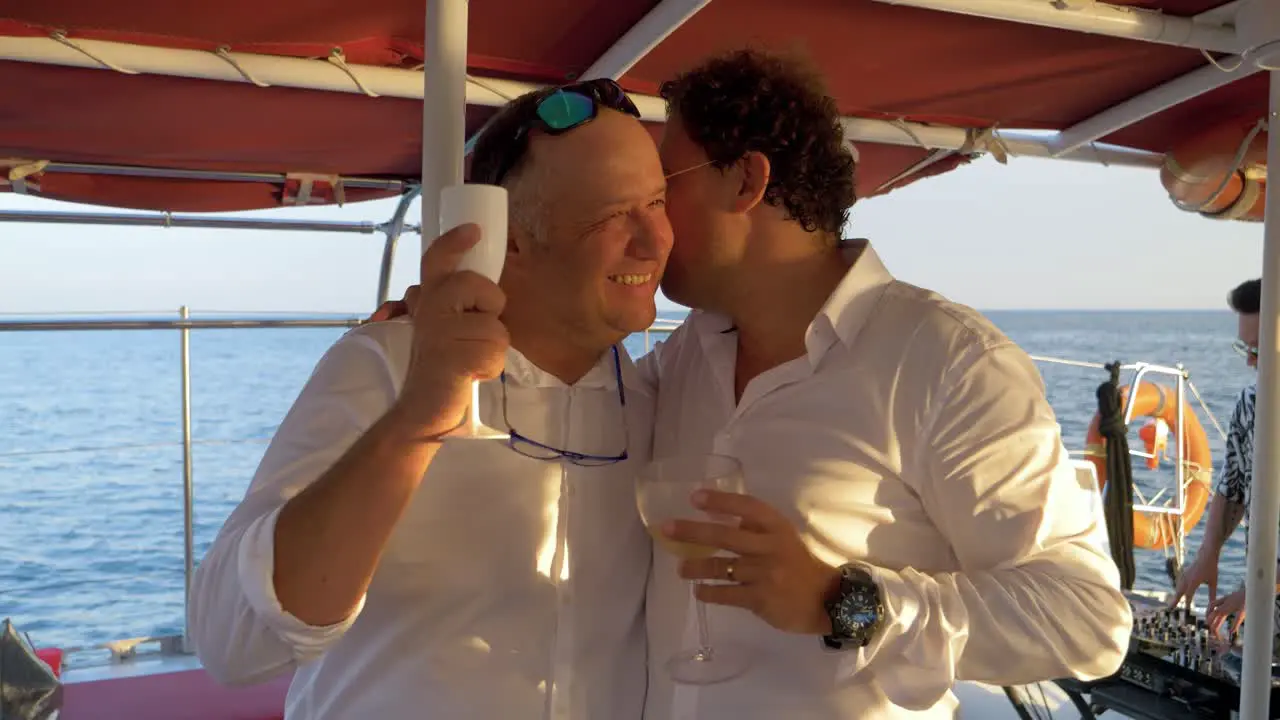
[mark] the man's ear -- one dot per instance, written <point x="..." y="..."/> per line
<point x="753" y="170"/>
<point x="517" y="246"/>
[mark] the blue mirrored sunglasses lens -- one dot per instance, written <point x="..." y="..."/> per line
<point x="562" y="110"/>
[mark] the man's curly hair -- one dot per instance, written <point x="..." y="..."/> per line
<point x="752" y="101"/>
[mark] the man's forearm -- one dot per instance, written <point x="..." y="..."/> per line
<point x="1224" y="517"/>
<point x="330" y="537"/>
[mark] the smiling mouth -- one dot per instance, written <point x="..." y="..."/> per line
<point x="631" y="279"/>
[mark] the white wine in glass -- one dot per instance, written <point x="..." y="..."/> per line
<point x="664" y="492"/>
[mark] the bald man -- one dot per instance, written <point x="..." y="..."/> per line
<point x="401" y="575"/>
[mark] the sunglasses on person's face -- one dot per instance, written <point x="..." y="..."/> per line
<point x="1243" y="349"/>
<point x="561" y="110"/>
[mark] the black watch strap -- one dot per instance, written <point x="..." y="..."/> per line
<point x="856" y="610"/>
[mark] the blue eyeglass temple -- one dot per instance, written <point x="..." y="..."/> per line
<point x="569" y="454"/>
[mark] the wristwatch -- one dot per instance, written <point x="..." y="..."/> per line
<point x="856" y="610"/>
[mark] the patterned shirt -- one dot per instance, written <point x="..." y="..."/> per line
<point x="1237" y="472"/>
<point x="1236" y="483"/>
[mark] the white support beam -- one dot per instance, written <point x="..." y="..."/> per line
<point x="444" y="117"/>
<point x="1016" y="143"/>
<point x="248" y="68"/>
<point x="1224" y="14"/>
<point x="1156" y="100"/>
<point x="1264" y="508"/>
<point x="643" y="37"/>
<point x="1099" y="18"/>
<point x="490" y="92"/>
<point x="169" y="220"/>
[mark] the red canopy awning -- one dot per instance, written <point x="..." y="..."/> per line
<point x="881" y="61"/>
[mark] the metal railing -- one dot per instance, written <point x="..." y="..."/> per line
<point x="659" y="327"/>
<point x="1183" y="384"/>
<point x="391" y="229"/>
<point x="122" y="650"/>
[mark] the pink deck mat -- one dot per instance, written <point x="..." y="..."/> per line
<point x="185" y="695"/>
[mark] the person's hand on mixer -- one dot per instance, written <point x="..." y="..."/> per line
<point x="1202" y="571"/>
<point x="1229" y="607"/>
<point x="457" y="336"/>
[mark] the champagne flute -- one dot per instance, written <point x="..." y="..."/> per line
<point x="663" y="492"/>
<point x="486" y="206"/>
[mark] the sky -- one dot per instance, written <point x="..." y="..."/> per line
<point x="1032" y="234"/>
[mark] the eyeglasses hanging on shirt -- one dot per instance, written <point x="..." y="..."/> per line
<point x="538" y="451"/>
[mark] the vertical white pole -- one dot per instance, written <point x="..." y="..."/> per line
<point x="444" y="106"/>
<point x="188" y="484"/>
<point x="1264" y="507"/>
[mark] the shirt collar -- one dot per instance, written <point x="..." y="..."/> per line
<point x="841" y="318"/>
<point x="521" y="371"/>
<point x="850" y="305"/>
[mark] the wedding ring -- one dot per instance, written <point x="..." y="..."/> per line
<point x="729" y="569"/>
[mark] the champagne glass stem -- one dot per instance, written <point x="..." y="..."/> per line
<point x="475" y="404"/>
<point x="704" y="631"/>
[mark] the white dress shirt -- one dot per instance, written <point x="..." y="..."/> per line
<point x="912" y="436"/>
<point x="511" y="589"/>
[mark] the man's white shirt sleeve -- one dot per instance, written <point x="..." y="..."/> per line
<point x="241" y="633"/>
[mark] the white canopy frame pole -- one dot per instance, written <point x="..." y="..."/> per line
<point x="444" y="110"/>
<point x="657" y="25"/>
<point x="1264" y="507"/>
<point x="393" y="230"/>
<point x="1099" y="18"/>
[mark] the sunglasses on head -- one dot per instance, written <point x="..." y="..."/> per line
<point x="560" y="110"/>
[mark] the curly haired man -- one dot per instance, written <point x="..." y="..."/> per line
<point x="911" y="517"/>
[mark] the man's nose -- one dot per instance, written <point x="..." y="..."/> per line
<point x="652" y="239"/>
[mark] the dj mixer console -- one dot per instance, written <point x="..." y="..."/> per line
<point x="1176" y="668"/>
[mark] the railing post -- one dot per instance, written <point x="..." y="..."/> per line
<point x="1180" y="470"/>
<point x="188" y="490"/>
<point x="393" y="231"/>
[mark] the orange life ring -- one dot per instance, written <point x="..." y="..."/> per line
<point x="1201" y="173"/>
<point x="1154" y="532"/>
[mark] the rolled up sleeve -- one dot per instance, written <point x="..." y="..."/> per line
<point x="1037" y="597"/>
<point x="241" y="633"/>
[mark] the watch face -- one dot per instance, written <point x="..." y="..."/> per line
<point x="857" y="612"/>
